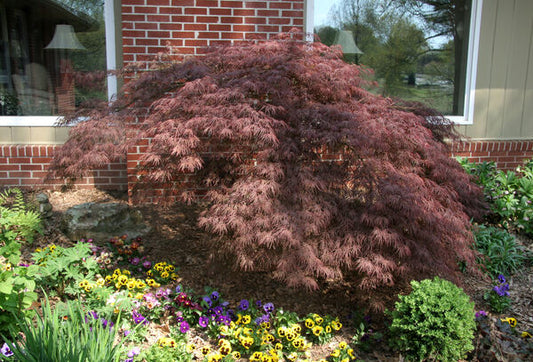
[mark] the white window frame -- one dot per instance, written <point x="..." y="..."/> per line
<point x="112" y="83"/>
<point x="471" y="66"/>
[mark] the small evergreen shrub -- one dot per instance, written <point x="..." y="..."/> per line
<point x="436" y="321"/>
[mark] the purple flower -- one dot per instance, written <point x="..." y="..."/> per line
<point x="184" y="327"/>
<point x="218" y="310"/>
<point x="481" y="313"/>
<point x="138" y="318"/>
<point x="24" y="264"/>
<point x="244" y="304"/>
<point x="207" y="301"/>
<point x="178" y="289"/>
<point x="268" y="308"/>
<point x="6" y="351"/>
<point x="215" y="296"/>
<point x="126" y="332"/>
<point x="502" y="290"/>
<point x="147" y="264"/>
<point x="134" y="352"/>
<point x="203" y="321"/>
<point x="93" y="314"/>
<point x="135" y="261"/>
<point x="501" y="278"/>
<point x="128" y="360"/>
<point x="258" y="303"/>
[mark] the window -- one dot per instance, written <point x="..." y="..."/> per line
<point x="420" y="50"/>
<point x="50" y="52"/>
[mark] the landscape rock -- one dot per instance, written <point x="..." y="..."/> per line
<point x="102" y="221"/>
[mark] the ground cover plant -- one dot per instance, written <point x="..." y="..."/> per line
<point x="510" y="193"/>
<point x="254" y="124"/>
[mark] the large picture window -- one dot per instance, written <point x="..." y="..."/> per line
<point x="419" y="50"/>
<point x="48" y="49"/>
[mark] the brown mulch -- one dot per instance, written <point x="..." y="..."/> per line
<point x="176" y="238"/>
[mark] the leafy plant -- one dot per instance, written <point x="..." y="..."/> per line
<point x="502" y="254"/>
<point x="18" y="224"/>
<point x="435" y="321"/>
<point x="61" y="269"/>
<point x="510" y="194"/>
<point x="498" y="296"/>
<point x="68" y="333"/>
<point x="308" y="175"/>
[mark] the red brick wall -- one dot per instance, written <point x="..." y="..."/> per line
<point x="507" y="154"/>
<point x="189" y="26"/>
<point x="26" y="167"/>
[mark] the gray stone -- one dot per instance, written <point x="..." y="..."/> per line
<point x="102" y="221"/>
<point x="45" y="208"/>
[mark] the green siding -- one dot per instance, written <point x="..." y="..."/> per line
<point x="504" y="84"/>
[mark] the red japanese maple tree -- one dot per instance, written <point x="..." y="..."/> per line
<point x="254" y="123"/>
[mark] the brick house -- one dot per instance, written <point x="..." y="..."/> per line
<point x="498" y="106"/>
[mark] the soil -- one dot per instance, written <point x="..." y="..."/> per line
<point x="176" y="238"/>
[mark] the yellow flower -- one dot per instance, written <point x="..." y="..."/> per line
<point x="100" y="282"/>
<point x="317" y="330"/>
<point x="131" y="284"/>
<point x="297" y="328"/>
<point x="205" y="350"/>
<point x="336" y="325"/>
<point x="512" y="322"/>
<point x="292" y="356"/>
<point x="256" y="356"/>
<point x="246" y="319"/>
<point x="190" y="347"/>
<point x="309" y="323"/>
<point x="343" y="345"/>
<point x="350" y="353"/>
<point x="335" y="353"/>
<point x="169" y="268"/>
<point x="290" y="335"/>
<point x="164" y="274"/>
<point x="83" y="283"/>
<point x="278" y="346"/>
<point x="173" y="276"/>
<point x="298" y="343"/>
<point x="328" y="329"/>
<point x="247" y="342"/>
<point x="236" y="355"/>
<point x="139" y="284"/>
<point x="122" y="280"/>
<point x="214" y="357"/>
<point x="139" y="296"/>
<point x="225" y="349"/>
<point x="282" y="331"/>
<point x="526" y="335"/>
<point x="318" y="319"/>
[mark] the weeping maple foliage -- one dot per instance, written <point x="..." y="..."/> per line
<point x="254" y="124"/>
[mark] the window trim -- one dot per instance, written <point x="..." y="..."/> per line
<point x="112" y="83"/>
<point x="471" y="64"/>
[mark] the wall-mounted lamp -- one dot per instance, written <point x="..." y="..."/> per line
<point x="344" y="38"/>
<point x="65" y="39"/>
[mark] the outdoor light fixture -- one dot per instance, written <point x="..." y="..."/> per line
<point x="65" y="39"/>
<point x="345" y="39"/>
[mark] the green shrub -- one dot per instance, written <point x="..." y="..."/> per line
<point x="510" y="194"/>
<point x="502" y="253"/>
<point x="18" y="224"/>
<point x="435" y="321"/>
<point x="68" y="333"/>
